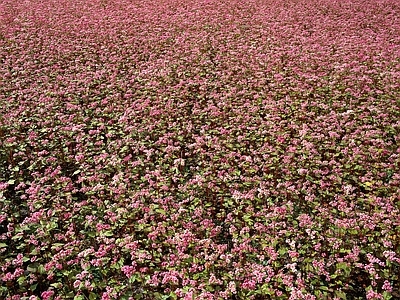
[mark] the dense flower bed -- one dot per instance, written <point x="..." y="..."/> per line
<point x="199" y="149"/>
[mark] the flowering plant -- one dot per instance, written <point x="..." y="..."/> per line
<point x="199" y="149"/>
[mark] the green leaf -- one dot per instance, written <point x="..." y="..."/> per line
<point x="324" y="288"/>
<point x="92" y="296"/>
<point x="160" y="211"/>
<point x="108" y="233"/>
<point x="56" y="245"/>
<point x="210" y="288"/>
<point x="57" y="285"/>
<point x="21" y="280"/>
<point x="41" y="269"/>
<point x="266" y="290"/>
<point x="341" y="265"/>
<point x="173" y="295"/>
<point x="282" y="251"/>
<point x="387" y="295"/>
<point x="3" y="245"/>
<point x="32" y="269"/>
<point x="247" y="219"/>
<point x="340" y="294"/>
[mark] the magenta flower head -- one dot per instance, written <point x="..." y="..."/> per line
<point x="128" y="271"/>
<point x="47" y="295"/>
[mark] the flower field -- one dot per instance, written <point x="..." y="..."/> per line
<point x="199" y="149"/>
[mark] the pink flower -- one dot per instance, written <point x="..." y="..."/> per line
<point x="171" y="277"/>
<point x="387" y="286"/>
<point x="77" y="283"/>
<point x="88" y="285"/>
<point x="3" y="186"/>
<point x="214" y="280"/>
<point x="3" y="217"/>
<point x="8" y="277"/>
<point x="18" y="260"/>
<point x="47" y="295"/>
<point x="189" y="296"/>
<point x="372" y="295"/>
<point x="232" y="287"/>
<point x="105" y="296"/>
<point x="128" y="271"/>
<point x="249" y="284"/>
<point x="293" y="254"/>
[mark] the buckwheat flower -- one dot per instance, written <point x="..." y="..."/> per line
<point x="105" y="296"/>
<point x="96" y="262"/>
<point x="372" y="295"/>
<point x="292" y="267"/>
<point x="153" y="280"/>
<point x="214" y="280"/>
<point x="223" y="295"/>
<point x="77" y="283"/>
<point x="206" y="296"/>
<point x="317" y="247"/>
<point x="300" y="282"/>
<point x="170" y="277"/>
<point x="305" y="220"/>
<point x="287" y="280"/>
<point x="309" y="297"/>
<point x="353" y="255"/>
<point x="189" y="296"/>
<point x="8" y="277"/>
<point x="179" y="162"/>
<point x="82" y="275"/>
<point x="311" y="233"/>
<point x="86" y="252"/>
<point x="3" y="217"/>
<point x="18" y="272"/>
<point x="296" y="294"/>
<point x="79" y="157"/>
<point x="47" y="295"/>
<point x="249" y="284"/>
<point x="18" y="260"/>
<point x="348" y="189"/>
<point x="10" y="228"/>
<point x="88" y="285"/>
<point x="101" y="253"/>
<point x="387" y="286"/>
<point x="100" y="226"/>
<point x="302" y="171"/>
<point x="128" y="271"/>
<point x="391" y="256"/>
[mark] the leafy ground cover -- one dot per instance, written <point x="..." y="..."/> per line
<point x="199" y="149"/>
